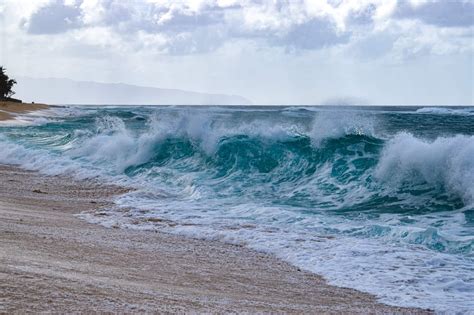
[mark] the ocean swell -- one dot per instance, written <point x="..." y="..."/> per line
<point x="335" y="162"/>
<point x="329" y="191"/>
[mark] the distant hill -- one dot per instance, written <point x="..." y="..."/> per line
<point x="65" y="91"/>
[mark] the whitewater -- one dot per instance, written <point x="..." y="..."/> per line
<point x="380" y="199"/>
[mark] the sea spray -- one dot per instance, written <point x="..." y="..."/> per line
<point x="445" y="162"/>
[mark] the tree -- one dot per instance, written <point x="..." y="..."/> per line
<point x="6" y="84"/>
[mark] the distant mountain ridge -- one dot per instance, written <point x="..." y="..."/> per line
<point x="66" y="91"/>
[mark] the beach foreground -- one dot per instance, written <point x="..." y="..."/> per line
<point x="8" y="110"/>
<point x="52" y="261"/>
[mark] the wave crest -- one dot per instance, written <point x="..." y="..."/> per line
<point x="447" y="162"/>
<point x="446" y="111"/>
<point x="331" y="125"/>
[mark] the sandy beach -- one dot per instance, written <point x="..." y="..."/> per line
<point x="244" y="157"/>
<point x="8" y="110"/>
<point x="51" y="260"/>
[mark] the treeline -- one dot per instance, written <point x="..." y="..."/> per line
<point x="6" y="85"/>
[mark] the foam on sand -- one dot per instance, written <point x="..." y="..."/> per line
<point x="10" y="110"/>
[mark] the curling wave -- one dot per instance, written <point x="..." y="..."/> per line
<point x="330" y="191"/>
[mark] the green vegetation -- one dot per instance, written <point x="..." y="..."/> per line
<point x="6" y="85"/>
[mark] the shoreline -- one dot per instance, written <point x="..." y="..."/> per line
<point x="8" y="110"/>
<point x="50" y="260"/>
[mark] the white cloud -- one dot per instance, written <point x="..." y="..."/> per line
<point x="430" y="40"/>
<point x="207" y="24"/>
<point x="219" y="45"/>
<point x="92" y="11"/>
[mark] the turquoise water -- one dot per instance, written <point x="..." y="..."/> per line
<point x="375" y="198"/>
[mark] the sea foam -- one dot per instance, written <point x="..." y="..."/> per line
<point x="448" y="162"/>
<point x="350" y="195"/>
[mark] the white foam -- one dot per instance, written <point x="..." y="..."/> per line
<point x="447" y="162"/>
<point x="404" y="275"/>
<point x="393" y="262"/>
<point x="446" y="111"/>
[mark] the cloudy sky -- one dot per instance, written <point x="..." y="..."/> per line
<point x="272" y="52"/>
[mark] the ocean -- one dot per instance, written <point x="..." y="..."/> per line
<point x="380" y="199"/>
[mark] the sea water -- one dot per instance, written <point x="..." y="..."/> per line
<point x="379" y="199"/>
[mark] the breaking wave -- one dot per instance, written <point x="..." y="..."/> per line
<point x="468" y="111"/>
<point x="329" y="191"/>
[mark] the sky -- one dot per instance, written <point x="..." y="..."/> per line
<point x="405" y="52"/>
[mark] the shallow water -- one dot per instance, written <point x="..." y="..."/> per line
<point x="375" y="198"/>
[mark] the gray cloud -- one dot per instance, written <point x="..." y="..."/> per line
<point x="116" y="12"/>
<point x="54" y="18"/>
<point x="362" y="17"/>
<point x="456" y="13"/>
<point x="187" y="22"/>
<point x="373" y="46"/>
<point x="282" y="24"/>
<point x="315" y="34"/>
<point x="272" y="51"/>
<point x="202" y="40"/>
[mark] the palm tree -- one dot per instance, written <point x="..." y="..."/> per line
<point x="6" y="84"/>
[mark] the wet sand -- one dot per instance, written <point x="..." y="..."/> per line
<point x="52" y="261"/>
<point x="8" y="110"/>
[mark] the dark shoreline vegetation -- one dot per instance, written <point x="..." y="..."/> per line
<point x="6" y="87"/>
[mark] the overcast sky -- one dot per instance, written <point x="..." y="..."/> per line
<point x="272" y="52"/>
